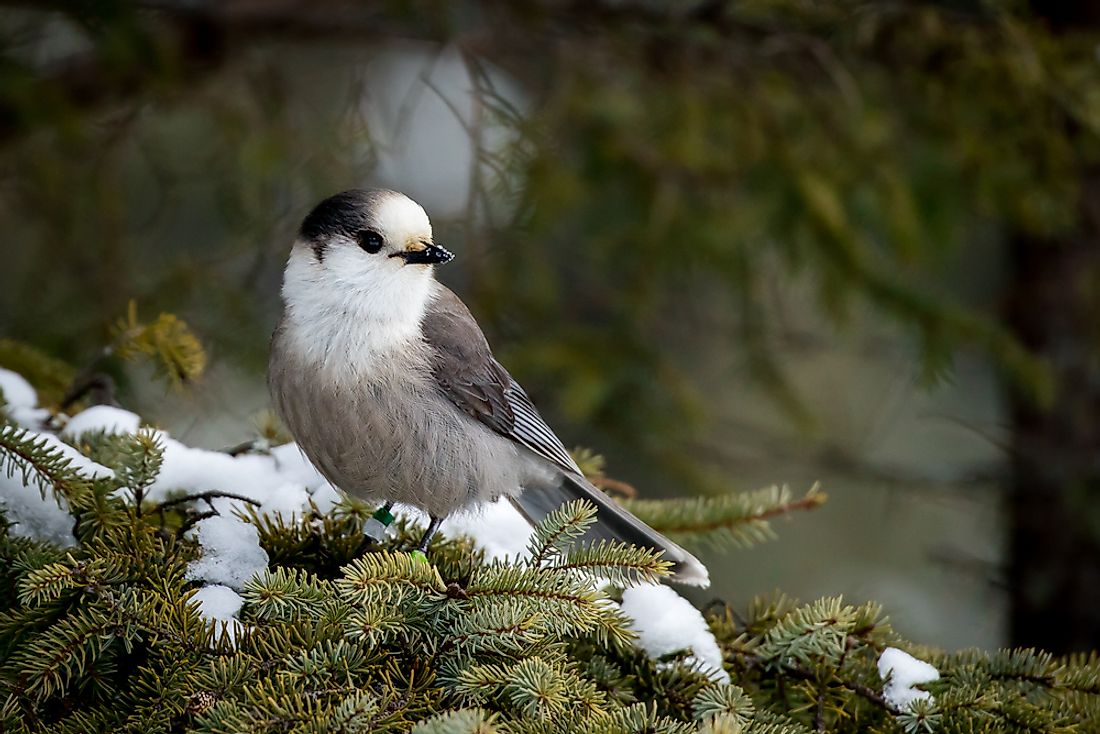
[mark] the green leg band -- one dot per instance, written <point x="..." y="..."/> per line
<point x="375" y="527"/>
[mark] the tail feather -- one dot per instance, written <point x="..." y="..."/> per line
<point x="612" y="523"/>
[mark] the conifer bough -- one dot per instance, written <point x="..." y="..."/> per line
<point x="110" y="633"/>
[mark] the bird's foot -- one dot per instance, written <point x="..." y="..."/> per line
<point x="433" y="526"/>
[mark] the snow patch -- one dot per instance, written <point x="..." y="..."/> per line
<point x="104" y="418"/>
<point x="263" y="478"/>
<point x="495" y="527"/>
<point x="35" y="516"/>
<point x="288" y="502"/>
<point x="78" y="461"/>
<point x="18" y="393"/>
<point x="231" y="552"/>
<point x="20" y="399"/>
<point x="326" y="497"/>
<point x="218" y="604"/>
<point x="667" y="622"/>
<point x="902" y="672"/>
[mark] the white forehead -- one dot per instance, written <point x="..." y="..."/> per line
<point x="400" y="216"/>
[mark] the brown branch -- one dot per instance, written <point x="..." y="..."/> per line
<point x="194" y="520"/>
<point x="809" y="502"/>
<point x="747" y="660"/>
<point x="614" y="486"/>
<point x="99" y="386"/>
<point x="207" y="496"/>
<point x="797" y="671"/>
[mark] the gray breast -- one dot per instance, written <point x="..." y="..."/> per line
<point x="382" y="431"/>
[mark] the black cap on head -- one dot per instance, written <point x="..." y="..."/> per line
<point x="344" y="214"/>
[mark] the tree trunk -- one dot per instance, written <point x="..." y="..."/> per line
<point x="1054" y="569"/>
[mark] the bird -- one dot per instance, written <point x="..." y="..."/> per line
<point x="383" y="377"/>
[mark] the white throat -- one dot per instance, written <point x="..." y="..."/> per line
<point x="348" y="313"/>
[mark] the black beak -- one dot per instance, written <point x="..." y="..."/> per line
<point x="430" y="255"/>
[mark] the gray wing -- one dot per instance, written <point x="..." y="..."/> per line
<point x="467" y="373"/>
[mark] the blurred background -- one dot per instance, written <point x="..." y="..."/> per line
<point x="724" y="244"/>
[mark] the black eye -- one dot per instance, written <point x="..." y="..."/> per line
<point x="370" y="240"/>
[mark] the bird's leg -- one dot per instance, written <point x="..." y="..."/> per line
<point x="433" y="525"/>
<point x="375" y="527"/>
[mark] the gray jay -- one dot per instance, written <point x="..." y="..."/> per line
<point x="388" y="385"/>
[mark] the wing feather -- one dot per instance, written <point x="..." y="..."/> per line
<point x="471" y="378"/>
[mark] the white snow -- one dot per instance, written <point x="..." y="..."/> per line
<point x="104" y="418"/>
<point x="20" y="400"/>
<point x="282" y="482"/>
<point x="47" y="518"/>
<point x="902" y="672"/>
<point x="288" y="501"/>
<point x="260" y="477"/>
<point x="326" y="497"/>
<point x="79" y="462"/>
<point x="18" y="393"/>
<point x="31" y="515"/>
<point x="219" y="604"/>
<point x="667" y="622"/>
<point x="231" y="552"/>
<point x="33" y="418"/>
<point x="495" y="527"/>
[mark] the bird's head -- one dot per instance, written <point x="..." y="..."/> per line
<point x="367" y="252"/>
<point x="370" y="230"/>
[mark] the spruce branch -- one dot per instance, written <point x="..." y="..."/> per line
<point x="39" y="463"/>
<point x="1079" y="673"/>
<point x="641" y="717"/>
<point x="141" y="459"/>
<point x="808" y="674"/>
<point x="507" y="628"/>
<point x="377" y="575"/>
<point x="385" y="642"/>
<point x="51" y="582"/>
<point x="559" y="529"/>
<point x="811" y="643"/>
<point x="533" y="688"/>
<point x="71" y="647"/>
<point x="462" y="721"/>
<point x="740" y="519"/>
<point x="723" y="700"/>
<point x="620" y="563"/>
<point x="572" y="602"/>
<point x="285" y="594"/>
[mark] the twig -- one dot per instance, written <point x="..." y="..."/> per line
<point x="208" y="496"/>
<point x="809" y="502"/>
<point x="194" y="520"/>
<point x="797" y="671"/>
<point x="99" y="385"/>
<point x="243" y="447"/>
<point x="748" y="660"/>
<point x="615" y="486"/>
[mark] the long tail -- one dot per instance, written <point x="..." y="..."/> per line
<point x="612" y="523"/>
